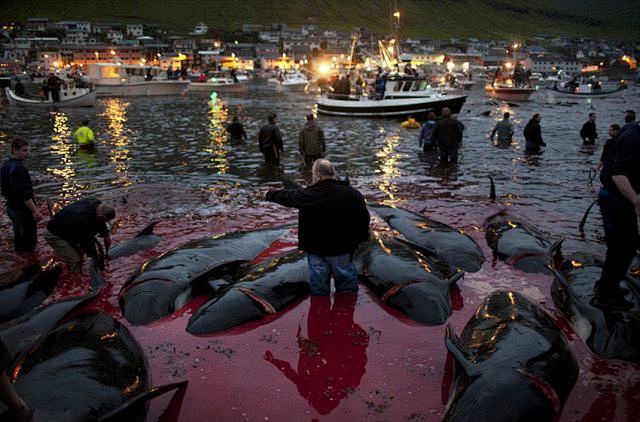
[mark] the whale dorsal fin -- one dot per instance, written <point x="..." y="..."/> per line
<point x="147" y="230"/>
<point x="458" y="351"/>
<point x="454" y="278"/>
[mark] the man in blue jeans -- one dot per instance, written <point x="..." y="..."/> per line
<point x="18" y="191"/>
<point x="332" y="222"/>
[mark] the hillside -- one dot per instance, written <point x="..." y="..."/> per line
<point x="488" y="19"/>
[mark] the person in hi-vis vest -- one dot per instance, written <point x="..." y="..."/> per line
<point x="85" y="137"/>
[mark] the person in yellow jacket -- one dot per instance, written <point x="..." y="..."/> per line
<point x="410" y="123"/>
<point x="85" y="137"/>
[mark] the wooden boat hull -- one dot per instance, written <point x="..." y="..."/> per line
<point x="211" y="87"/>
<point x="621" y="90"/>
<point x="509" y="93"/>
<point x="71" y="98"/>
<point x="390" y="108"/>
<point x="144" y="88"/>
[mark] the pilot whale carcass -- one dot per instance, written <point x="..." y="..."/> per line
<point x="164" y="284"/>
<point x="520" y="244"/>
<point x="405" y="279"/>
<point x="27" y="288"/>
<point x="512" y="363"/>
<point x="266" y="289"/>
<point x="609" y="333"/>
<point x="446" y="243"/>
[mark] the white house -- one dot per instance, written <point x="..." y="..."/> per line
<point x="200" y="29"/>
<point x="135" y="30"/>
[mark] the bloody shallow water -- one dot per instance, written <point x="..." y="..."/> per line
<point x="167" y="159"/>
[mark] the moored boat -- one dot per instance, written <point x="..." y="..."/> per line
<point x="219" y="83"/>
<point x="587" y="91"/>
<point x="403" y="96"/>
<point x="116" y="80"/>
<point x="509" y="92"/>
<point x="290" y="81"/>
<point x="69" y="97"/>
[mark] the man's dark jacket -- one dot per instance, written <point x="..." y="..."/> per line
<point x="589" y="131"/>
<point x="16" y="184"/>
<point x="448" y="134"/>
<point x="333" y="217"/>
<point x="77" y="223"/>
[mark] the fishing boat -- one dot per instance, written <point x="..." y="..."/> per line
<point x="290" y="80"/>
<point x="219" y="82"/>
<point x="587" y="90"/>
<point x="119" y="80"/>
<point x="69" y="97"/>
<point x="403" y="96"/>
<point x="508" y="92"/>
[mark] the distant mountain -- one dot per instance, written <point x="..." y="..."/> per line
<point x="487" y="19"/>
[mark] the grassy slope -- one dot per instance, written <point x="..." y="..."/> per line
<point x="615" y="19"/>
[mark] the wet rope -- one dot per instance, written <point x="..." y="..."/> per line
<point x="584" y="217"/>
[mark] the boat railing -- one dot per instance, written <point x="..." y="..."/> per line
<point x="344" y="97"/>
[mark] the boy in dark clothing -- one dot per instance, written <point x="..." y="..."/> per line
<point x="18" y="192"/>
<point x="332" y="222"/>
<point x="71" y="231"/>
<point x="270" y="141"/>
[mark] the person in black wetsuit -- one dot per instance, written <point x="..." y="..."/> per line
<point x="270" y="141"/>
<point x="588" y="132"/>
<point x="236" y="130"/>
<point x="17" y="189"/>
<point x="533" y="135"/>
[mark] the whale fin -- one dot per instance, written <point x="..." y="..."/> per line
<point x="458" y="351"/>
<point x="127" y="410"/>
<point x="564" y="283"/>
<point x="147" y="230"/>
<point x="555" y="252"/>
<point x="454" y="278"/>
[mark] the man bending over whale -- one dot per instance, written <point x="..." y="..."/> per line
<point x="333" y="220"/>
<point x="71" y="231"/>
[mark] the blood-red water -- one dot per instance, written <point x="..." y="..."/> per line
<point x="346" y="358"/>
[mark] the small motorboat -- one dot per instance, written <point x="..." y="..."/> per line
<point x="69" y="97"/>
<point x="290" y="80"/>
<point x="508" y="92"/>
<point x="587" y="90"/>
<point x="219" y="82"/>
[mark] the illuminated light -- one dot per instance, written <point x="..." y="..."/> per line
<point x="113" y="52"/>
<point x="324" y="69"/>
<point x="512" y="224"/>
<point x="109" y="336"/>
<point x="576" y="264"/>
<point x="396" y="15"/>
<point x="132" y="388"/>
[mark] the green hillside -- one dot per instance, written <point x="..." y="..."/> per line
<point x="488" y="19"/>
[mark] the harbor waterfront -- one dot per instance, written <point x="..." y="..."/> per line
<point x="168" y="159"/>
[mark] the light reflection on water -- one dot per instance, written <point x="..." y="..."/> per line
<point x="62" y="148"/>
<point x="115" y="114"/>
<point x="219" y="147"/>
<point x="181" y="141"/>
